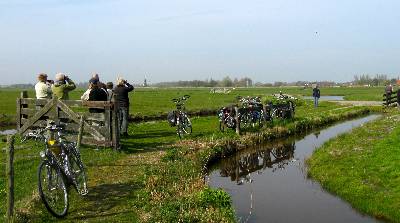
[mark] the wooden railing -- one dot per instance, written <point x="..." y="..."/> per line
<point x="100" y="129"/>
<point x="390" y="99"/>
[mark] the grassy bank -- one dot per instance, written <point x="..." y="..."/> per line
<point x="156" y="177"/>
<point x="156" y="102"/>
<point x="363" y="167"/>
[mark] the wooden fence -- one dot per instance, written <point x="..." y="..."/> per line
<point x="100" y="129"/>
<point x="391" y="99"/>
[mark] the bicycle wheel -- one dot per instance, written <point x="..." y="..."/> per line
<point x="245" y="120"/>
<point x="52" y="189"/>
<point x="78" y="174"/>
<point x="184" y="127"/>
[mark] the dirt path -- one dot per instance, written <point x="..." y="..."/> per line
<point x="359" y="103"/>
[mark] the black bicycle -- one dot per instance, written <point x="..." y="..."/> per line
<point x="61" y="166"/>
<point x="251" y="112"/>
<point x="283" y="108"/>
<point x="180" y="118"/>
<point x="226" y="117"/>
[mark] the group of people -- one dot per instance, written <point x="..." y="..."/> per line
<point x="97" y="91"/>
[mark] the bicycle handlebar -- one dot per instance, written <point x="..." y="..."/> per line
<point x="181" y="99"/>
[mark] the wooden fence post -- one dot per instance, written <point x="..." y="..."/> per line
<point x="10" y="178"/>
<point x="237" y="119"/>
<point x="115" y="125"/>
<point x="80" y="132"/>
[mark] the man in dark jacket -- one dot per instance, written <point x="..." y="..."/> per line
<point x="316" y="94"/>
<point x="96" y="94"/>
<point x="122" y="98"/>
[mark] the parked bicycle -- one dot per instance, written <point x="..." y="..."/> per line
<point x="227" y="119"/>
<point x="61" y="166"/>
<point x="283" y="108"/>
<point x="180" y="118"/>
<point x="251" y="112"/>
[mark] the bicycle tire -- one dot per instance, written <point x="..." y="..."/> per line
<point x="54" y="181"/>
<point x="184" y="127"/>
<point x="244" y="120"/>
<point x="78" y="173"/>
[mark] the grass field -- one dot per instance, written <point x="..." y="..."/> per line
<point x="150" y="180"/>
<point x="155" y="101"/>
<point x="363" y="167"/>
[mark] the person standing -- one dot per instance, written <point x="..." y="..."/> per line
<point x="62" y="86"/>
<point x="122" y="98"/>
<point x="42" y="87"/>
<point x="110" y="92"/>
<point x="388" y="93"/>
<point x="316" y="94"/>
<point x="96" y="94"/>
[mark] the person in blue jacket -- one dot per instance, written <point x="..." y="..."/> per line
<point x="316" y="94"/>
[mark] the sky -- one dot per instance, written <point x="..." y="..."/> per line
<point x="268" y="41"/>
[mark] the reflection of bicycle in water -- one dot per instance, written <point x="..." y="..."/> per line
<point x="60" y="167"/>
<point x="275" y="157"/>
<point x="240" y="166"/>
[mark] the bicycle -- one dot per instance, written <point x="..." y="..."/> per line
<point x="284" y="108"/>
<point x="60" y="167"/>
<point x="226" y="117"/>
<point x="179" y="117"/>
<point x="251" y="112"/>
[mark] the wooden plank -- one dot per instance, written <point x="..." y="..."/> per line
<point x="39" y="114"/>
<point x="76" y="118"/>
<point x="28" y="111"/>
<point x="107" y="132"/>
<point x="10" y="178"/>
<point x="38" y="123"/>
<point x="73" y="103"/>
<point x="34" y="101"/>
<point x="89" y="140"/>
<point x="18" y="113"/>
<point x="97" y="104"/>
<point x="80" y="132"/>
<point x="115" y="126"/>
<point x="71" y="127"/>
<point x="95" y="116"/>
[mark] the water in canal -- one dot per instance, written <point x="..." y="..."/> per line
<point x="269" y="183"/>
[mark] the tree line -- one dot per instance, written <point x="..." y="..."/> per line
<point x="377" y="80"/>
<point x="224" y="82"/>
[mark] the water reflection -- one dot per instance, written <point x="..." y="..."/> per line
<point x="274" y="156"/>
<point x="269" y="183"/>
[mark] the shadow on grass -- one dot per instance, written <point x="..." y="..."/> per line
<point x="147" y="141"/>
<point x="106" y="200"/>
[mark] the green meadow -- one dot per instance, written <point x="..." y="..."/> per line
<point x="156" y="101"/>
<point x="156" y="177"/>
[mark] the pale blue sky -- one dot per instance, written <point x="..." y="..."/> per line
<point x="282" y="40"/>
